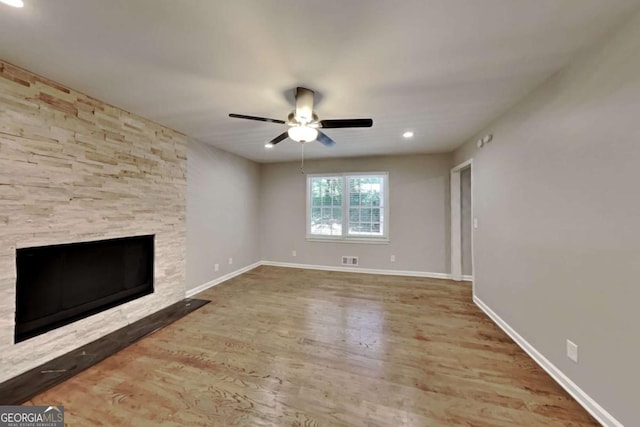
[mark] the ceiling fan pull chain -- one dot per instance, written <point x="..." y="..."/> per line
<point x="302" y="162"/>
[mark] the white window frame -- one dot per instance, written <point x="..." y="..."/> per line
<point x="345" y="237"/>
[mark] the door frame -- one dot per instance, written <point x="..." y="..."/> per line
<point x="456" y="223"/>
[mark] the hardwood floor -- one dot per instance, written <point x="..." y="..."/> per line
<point x="292" y="347"/>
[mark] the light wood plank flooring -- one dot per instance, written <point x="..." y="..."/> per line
<point x="291" y="347"/>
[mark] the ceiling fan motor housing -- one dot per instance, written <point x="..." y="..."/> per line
<point x="304" y="105"/>
<point x="292" y="120"/>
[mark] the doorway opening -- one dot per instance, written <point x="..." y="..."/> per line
<point x="462" y="221"/>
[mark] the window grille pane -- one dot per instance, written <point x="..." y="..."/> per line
<point x="337" y="214"/>
<point x="365" y="201"/>
<point x="365" y="205"/>
<point x="316" y="198"/>
<point x="354" y="215"/>
<point x="326" y="206"/>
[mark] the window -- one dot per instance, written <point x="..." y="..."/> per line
<point x="348" y="206"/>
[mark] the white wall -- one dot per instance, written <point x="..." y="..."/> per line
<point x="222" y="213"/>
<point x="556" y="194"/>
<point x="419" y="211"/>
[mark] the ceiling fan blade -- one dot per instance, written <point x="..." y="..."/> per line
<point x="346" y="123"/>
<point x="260" y="119"/>
<point x="324" y="139"/>
<point x="279" y="138"/>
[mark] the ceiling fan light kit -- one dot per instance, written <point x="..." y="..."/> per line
<point x="304" y="124"/>
<point x="302" y="133"/>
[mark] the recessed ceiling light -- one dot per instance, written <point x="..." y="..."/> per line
<point x="14" y="3"/>
<point x="408" y="134"/>
<point x="268" y="145"/>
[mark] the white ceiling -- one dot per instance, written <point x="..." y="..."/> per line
<point x="442" y="68"/>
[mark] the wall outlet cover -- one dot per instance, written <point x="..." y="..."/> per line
<point x="349" y="260"/>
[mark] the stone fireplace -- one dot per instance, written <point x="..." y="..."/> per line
<point x="72" y="170"/>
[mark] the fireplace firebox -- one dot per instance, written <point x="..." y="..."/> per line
<point x="60" y="284"/>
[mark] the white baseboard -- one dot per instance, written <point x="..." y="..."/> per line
<point x="597" y="411"/>
<point x="466" y="278"/>
<point x="359" y="270"/>
<point x="217" y="281"/>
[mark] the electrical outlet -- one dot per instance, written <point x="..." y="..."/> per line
<point x="475" y="222"/>
<point x="294" y="253"/>
<point x="349" y="260"/>
<point x="572" y="351"/>
<point x="216" y="267"/>
<point x="230" y="261"/>
<point x="393" y="258"/>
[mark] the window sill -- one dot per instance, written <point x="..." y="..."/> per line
<point x="383" y="241"/>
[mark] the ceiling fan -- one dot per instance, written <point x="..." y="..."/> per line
<point x="304" y="124"/>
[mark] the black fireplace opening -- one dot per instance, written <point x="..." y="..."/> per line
<point x="60" y="284"/>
